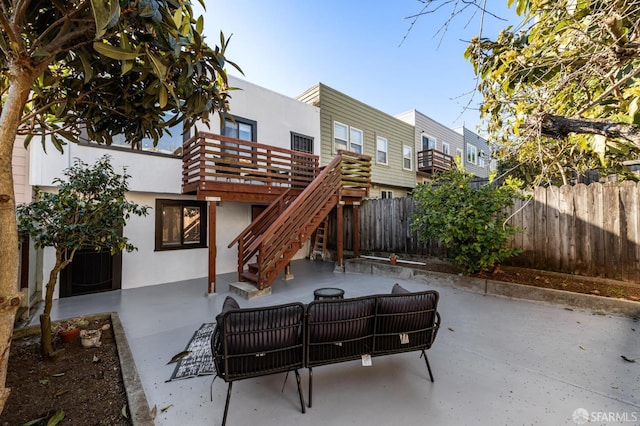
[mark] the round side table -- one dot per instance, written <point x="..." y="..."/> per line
<point x="328" y="293"/>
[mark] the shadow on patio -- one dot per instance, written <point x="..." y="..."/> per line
<point x="495" y="360"/>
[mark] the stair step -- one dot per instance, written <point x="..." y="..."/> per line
<point x="249" y="276"/>
<point x="253" y="268"/>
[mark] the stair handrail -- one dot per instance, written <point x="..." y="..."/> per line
<point x="306" y="207"/>
<point x="258" y="226"/>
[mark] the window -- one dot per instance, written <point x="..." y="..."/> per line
<point x="386" y="194"/>
<point x="445" y="148"/>
<point x="407" y="157"/>
<point x="481" y="159"/>
<point x="239" y="128"/>
<point x="428" y="142"/>
<point x="170" y="143"/>
<point x="347" y="138"/>
<point x="356" y="138"/>
<point x="301" y="143"/>
<point x="472" y="154"/>
<point x="340" y="136"/>
<point x="381" y="150"/>
<point x="459" y="155"/>
<point x="180" y="224"/>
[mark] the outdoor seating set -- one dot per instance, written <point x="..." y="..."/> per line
<point x="256" y="342"/>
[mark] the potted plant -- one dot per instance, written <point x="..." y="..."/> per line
<point x="69" y="330"/>
<point x="393" y="258"/>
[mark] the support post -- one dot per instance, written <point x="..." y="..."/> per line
<point x="356" y="229"/>
<point x="212" y="247"/>
<point x="288" y="275"/>
<point x="340" y="236"/>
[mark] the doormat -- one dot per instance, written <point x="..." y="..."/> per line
<point x="198" y="361"/>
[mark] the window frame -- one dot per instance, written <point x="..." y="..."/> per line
<point x="386" y="195"/>
<point x="159" y="224"/>
<point x="426" y="137"/>
<point x="297" y="139"/>
<point x="446" y="148"/>
<point x="473" y="150"/>
<point x="407" y="157"/>
<point x="386" y="150"/>
<point x="348" y="142"/>
<point x="459" y="155"/>
<point x="481" y="156"/>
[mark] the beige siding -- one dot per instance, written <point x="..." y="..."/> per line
<point x="336" y="106"/>
<point x="20" y="164"/>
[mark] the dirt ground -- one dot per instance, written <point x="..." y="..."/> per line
<point x="84" y="385"/>
<point x="574" y="283"/>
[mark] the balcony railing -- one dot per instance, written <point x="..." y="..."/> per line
<point x="432" y="160"/>
<point x="215" y="159"/>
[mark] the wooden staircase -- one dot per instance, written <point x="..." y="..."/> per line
<point x="283" y="228"/>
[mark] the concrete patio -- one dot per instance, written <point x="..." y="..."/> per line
<point x="496" y="361"/>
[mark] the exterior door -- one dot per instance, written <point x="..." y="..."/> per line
<point x="91" y="272"/>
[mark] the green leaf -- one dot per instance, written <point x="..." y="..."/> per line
<point x="114" y="52"/>
<point x="162" y="96"/>
<point x="200" y="24"/>
<point x="86" y="65"/>
<point x="56" y="418"/>
<point x="105" y="15"/>
<point x="159" y="69"/>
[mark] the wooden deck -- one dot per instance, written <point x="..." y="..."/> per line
<point x="238" y="170"/>
<point x="431" y="160"/>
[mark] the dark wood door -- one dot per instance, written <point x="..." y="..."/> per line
<point x="91" y="272"/>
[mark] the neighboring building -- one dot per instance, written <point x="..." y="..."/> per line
<point x="477" y="154"/>
<point x="172" y="240"/>
<point x="440" y="148"/>
<point x="30" y="274"/>
<point x="437" y="147"/>
<point x="348" y="124"/>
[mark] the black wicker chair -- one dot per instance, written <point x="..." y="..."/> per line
<point x="257" y="342"/>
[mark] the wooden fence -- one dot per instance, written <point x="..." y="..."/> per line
<point x="589" y="230"/>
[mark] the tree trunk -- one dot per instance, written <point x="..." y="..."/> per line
<point x="556" y="126"/>
<point x="10" y="296"/>
<point x="46" y="345"/>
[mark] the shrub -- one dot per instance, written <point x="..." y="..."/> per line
<point x="470" y="223"/>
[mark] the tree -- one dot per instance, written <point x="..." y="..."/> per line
<point x="470" y="223"/>
<point x="92" y="69"/>
<point x="89" y="210"/>
<point x="562" y="89"/>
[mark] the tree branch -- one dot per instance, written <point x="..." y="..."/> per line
<point x="559" y="127"/>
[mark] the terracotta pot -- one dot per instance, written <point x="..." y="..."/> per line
<point x="393" y="260"/>
<point x="69" y="336"/>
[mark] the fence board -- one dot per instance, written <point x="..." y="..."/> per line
<point x="611" y="227"/>
<point x="566" y="229"/>
<point x="596" y="230"/>
<point x="553" y="228"/>
<point x="539" y="202"/>
<point x="582" y="229"/>
<point x="629" y="230"/>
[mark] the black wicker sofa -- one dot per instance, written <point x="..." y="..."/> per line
<point x="260" y="341"/>
<point x="370" y="326"/>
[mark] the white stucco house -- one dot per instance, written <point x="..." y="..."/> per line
<point x="171" y="250"/>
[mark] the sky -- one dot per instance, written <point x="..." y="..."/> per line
<point x="357" y="47"/>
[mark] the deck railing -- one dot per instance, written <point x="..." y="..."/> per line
<point x="431" y="160"/>
<point x="208" y="157"/>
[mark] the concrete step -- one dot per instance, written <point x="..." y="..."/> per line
<point x="248" y="290"/>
